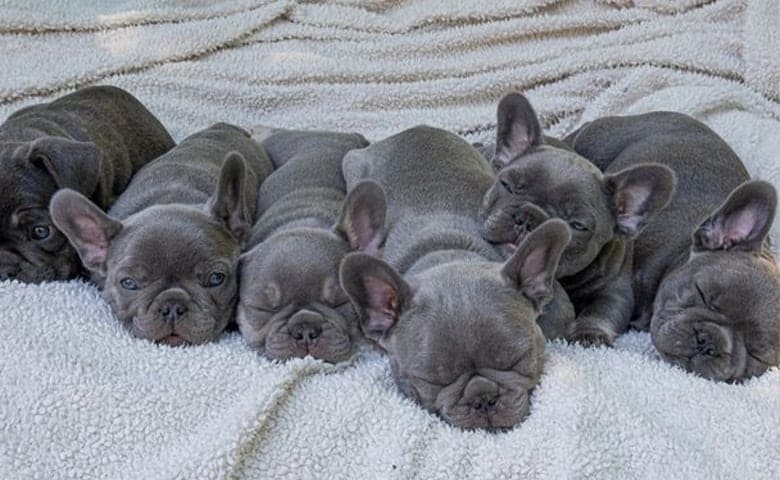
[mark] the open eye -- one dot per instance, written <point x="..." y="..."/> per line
<point x="215" y="279"/>
<point x="128" y="284"/>
<point x="40" y="232"/>
<point x="578" y="226"/>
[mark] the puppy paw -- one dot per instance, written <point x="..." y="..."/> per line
<point x="593" y="338"/>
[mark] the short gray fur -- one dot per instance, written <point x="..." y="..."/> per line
<point x="166" y="257"/>
<point x="91" y="141"/>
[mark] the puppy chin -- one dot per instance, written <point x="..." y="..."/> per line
<point x="160" y="332"/>
<point x="700" y="346"/>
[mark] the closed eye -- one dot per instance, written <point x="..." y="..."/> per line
<point x="705" y="300"/>
<point x="701" y="293"/>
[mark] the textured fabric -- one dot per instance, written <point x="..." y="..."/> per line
<point x="80" y="398"/>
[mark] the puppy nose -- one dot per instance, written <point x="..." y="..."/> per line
<point x="531" y="216"/>
<point x="485" y="404"/>
<point x="305" y="334"/>
<point x="172" y="310"/>
<point x="305" y="327"/>
<point x="8" y="272"/>
<point x="482" y="394"/>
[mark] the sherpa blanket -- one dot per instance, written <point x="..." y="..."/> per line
<point x="80" y="398"/>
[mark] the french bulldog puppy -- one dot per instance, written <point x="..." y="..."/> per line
<point x="91" y="141"/>
<point x="538" y="179"/>
<point x="291" y="303"/>
<point x="459" y="326"/>
<point x="704" y="277"/>
<point x="166" y="255"/>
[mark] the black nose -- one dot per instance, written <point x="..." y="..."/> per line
<point x="172" y="310"/>
<point x="305" y="334"/>
<point x="704" y="346"/>
<point x="8" y="272"/>
<point x="485" y="404"/>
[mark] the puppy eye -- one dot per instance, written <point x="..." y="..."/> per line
<point x="128" y="284"/>
<point x="580" y="227"/>
<point x="215" y="279"/>
<point x="40" y="232"/>
<point x="702" y="296"/>
<point x="513" y="188"/>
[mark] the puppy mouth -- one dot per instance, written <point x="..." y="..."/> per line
<point x="173" y="340"/>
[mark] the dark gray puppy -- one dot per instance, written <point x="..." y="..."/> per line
<point x="538" y="179"/>
<point x="459" y="326"/>
<point x="91" y="141"/>
<point x="705" y="279"/>
<point x="291" y="303"/>
<point x="166" y="255"/>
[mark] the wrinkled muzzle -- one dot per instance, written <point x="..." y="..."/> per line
<point x="511" y="222"/>
<point x="481" y="402"/>
<point x="698" y="341"/>
<point x="175" y="319"/>
<point x="309" y="332"/>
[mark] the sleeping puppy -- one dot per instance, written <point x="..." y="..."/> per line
<point x="705" y="279"/>
<point x="538" y="179"/>
<point x="91" y="141"/>
<point x="291" y="304"/>
<point x="166" y="255"/>
<point x="460" y="327"/>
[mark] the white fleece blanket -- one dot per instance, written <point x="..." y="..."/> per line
<point x="80" y="398"/>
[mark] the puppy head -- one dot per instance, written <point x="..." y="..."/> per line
<point x="291" y="303"/>
<point x="537" y="181"/>
<point x="718" y="314"/>
<point x="169" y="271"/>
<point x="32" y="249"/>
<point x="462" y="337"/>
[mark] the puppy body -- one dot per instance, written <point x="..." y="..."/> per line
<point x="539" y="178"/>
<point x="166" y="256"/>
<point x="459" y="326"/>
<point x="91" y="141"/>
<point x="704" y="278"/>
<point x="291" y="304"/>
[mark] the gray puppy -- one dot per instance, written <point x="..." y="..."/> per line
<point x="705" y="279"/>
<point x="459" y="326"/>
<point x="166" y="255"/>
<point x="91" y="141"/>
<point x="538" y="179"/>
<point x="291" y="303"/>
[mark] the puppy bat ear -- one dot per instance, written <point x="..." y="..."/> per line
<point x="228" y="204"/>
<point x="72" y="164"/>
<point x="637" y="194"/>
<point x="742" y="222"/>
<point x="362" y="220"/>
<point x="533" y="265"/>
<point x="375" y="289"/>
<point x="86" y="226"/>
<point x="518" y="130"/>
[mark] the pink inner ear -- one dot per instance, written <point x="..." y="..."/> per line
<point x="532" y="272"/>
<point x="382" y="302"/>
<point x="94" y="243"/>
<point x="738" y="227"/>
<point x="363" y="235"/>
